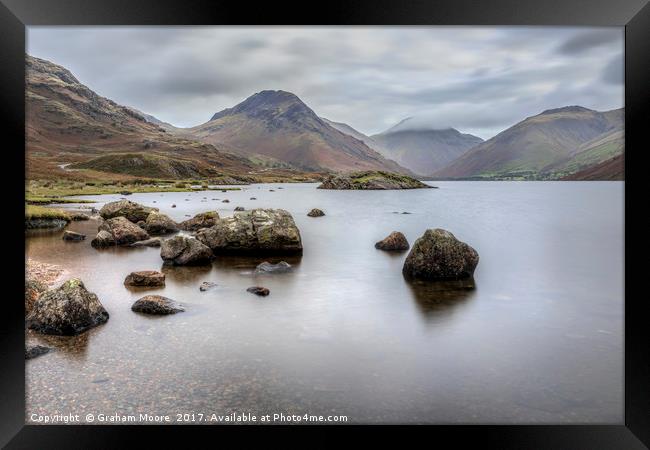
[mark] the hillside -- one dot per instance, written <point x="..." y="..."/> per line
<point x="610" y="170"/>
<point x="534" y="144"/>
<point x="277" y="124"/>
<point x="67" y="123"/>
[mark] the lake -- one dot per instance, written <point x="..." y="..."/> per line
<point x="539" y="339"/>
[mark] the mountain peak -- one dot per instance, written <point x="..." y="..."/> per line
<point x="572" y="108"/>
<point x="267" y="100"/>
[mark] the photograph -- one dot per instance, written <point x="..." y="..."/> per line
<point x="324" y="225"/>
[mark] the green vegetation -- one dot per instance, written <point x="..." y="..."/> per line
<point x="33" y="200"/>
<point x="33" y="212"/>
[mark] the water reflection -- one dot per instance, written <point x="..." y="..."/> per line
<point x="74" y="347"/>
<point x="239" y="263"/>
<point x="436" y="299"/>
<point x="185" y="274"/>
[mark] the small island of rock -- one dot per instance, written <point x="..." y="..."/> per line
<point x="371" y="180"/>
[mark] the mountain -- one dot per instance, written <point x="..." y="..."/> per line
<point x="423" y="150"/>
<point x="535" y="145"/>
<point x="66" y="122"/>
<point x="278" y="125"/>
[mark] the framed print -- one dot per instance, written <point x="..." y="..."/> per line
<point x="386" y="214"/>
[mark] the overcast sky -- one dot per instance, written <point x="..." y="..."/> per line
<point x="479" y="80"/>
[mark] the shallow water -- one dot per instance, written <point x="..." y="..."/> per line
<point x="539" y="339"/>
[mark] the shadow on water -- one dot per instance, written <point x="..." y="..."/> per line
<point x="439" y="299"/>
<point x="185" y="274"/>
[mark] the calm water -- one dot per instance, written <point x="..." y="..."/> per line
<point x="540" y="339"/>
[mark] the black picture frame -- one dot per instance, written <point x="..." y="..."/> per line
<point x="15" y="15"/>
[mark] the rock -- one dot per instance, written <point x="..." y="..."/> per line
<point x="183" y="251"/>
<point x="32" y="351"/>
<point x="153" y="242"/>
<point x="438" y="255"/>
<point x="258" y="290"/>
<point x="79" y="216"/>
<point x="406" y="212"/>
<point x="267" y="267"/>
<point x="371" y="180"/>
<point x="123" y="232"/>
<point x="207" y="285"/>
<point x="225" y="201"/>
<point x="253" y="198"/>
<point x="201" y="220"/>
<point x="73" y="236"/>
<point x="33" y="289"/>
<point x="173" y="206"/>
<point x="126" y="208"/>
<point x="315" y="213"/>
<point x="45" y="223"/>
<point x="158" y="223"/>
<point x="395" y="241"/>
<point x="148" y="278"/>
<point x="270" y="231"/>
<point x="68" y="310"/>
<point x="141" y="224"/>
<point x="156" y="304"/>
<point x="103" y="239"/>
<point x="125" y="192"/>
<point x="240" y="208"/>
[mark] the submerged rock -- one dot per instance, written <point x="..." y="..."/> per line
<point x="68" y="310"/>
<point x="207" y="285"/>
<point x="45" y="223"/>
<point x="371" y="180"/>
<point x="225" y="201"/>
<point x="123" y="232"/>
<point x="201" y="220"/>
<point x="315" y="213"/>
<point x="153" y="242"/>
<point x="267" y="267"/>
<point x="148" y="278"/>
<point x="158" y="223"/>
<point x="438" y="255"/>
<point x="156" y="304"/>
<point x="33" y="289"/>
<point x="32" y="351"/>
<point x="395" y="241"/>
<point x="73" y="236"/>
<point x="258" y="290"/>
<point x="271" y="231"/>
<point x="184" y="250"/>
<point x="134" y="212"/>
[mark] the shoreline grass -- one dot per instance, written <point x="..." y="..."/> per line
<point x="35" y="212"/>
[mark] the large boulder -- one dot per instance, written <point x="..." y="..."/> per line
<point x="438" y="255"/>
<point x="123" y="232"/>
<point x="33" y="290"/>
<point x="201" y="220"/>
<point x="67" y="310"/>
<point x="146" y="278"/>
<point x="156" y="304"/>
<point x="158" y="223"/>
<point x="126" y="208"/>
<point x="185" y="251"/>
<point x="271" y="231"/>
<point x="395" y="241"/>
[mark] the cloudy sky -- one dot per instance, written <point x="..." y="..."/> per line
<point x="479" y="80"/>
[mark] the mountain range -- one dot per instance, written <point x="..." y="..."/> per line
<point x="274" y="133"/>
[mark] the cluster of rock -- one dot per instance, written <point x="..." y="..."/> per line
<point x="371" y="180"/>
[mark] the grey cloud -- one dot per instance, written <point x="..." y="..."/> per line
<point x="590" y="39"/>
<point x="476" y="79"/>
